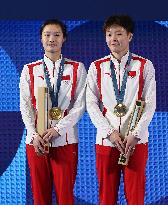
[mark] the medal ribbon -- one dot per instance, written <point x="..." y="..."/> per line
<point x="120" y="93"/>
<point x="53" y="94"/>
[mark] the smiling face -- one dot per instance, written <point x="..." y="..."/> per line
<point x="118" y="39"/>
<point x="52" y="39"/>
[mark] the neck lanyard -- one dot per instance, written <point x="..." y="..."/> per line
<point x="53" y="94"/>
<point x="120" y="93"/>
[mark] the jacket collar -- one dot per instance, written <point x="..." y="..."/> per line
<point x="50" y="64"/>
<point x="123" y="61"/>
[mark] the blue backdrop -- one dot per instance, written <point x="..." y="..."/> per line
<point x="20" y="44"/>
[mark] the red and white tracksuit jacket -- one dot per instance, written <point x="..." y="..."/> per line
<point x="71" y="98"/>
<point x="101" y="100"/>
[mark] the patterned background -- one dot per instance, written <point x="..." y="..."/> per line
<point x="20" y="44"/>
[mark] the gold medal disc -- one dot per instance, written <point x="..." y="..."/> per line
<point x="120" y="110"/>
<point x="55" y="113"/>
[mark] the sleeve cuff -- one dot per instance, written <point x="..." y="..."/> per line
<point x="110" y="131"/>
<point x="33" y="136"/>
<point x="136" y="134"/>
<point x="57" y="130"/>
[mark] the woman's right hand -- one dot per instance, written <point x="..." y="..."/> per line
<point x="38" y="144"/>
<point x="117" y="141"/>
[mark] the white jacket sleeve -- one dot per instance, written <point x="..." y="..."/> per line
<point x="78" y="108"/>
<point x="93" y="103"/>
<point x="26" y="108"/>
<point x="149" y="95"/>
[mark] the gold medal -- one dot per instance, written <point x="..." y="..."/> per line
<point x="120" y="110"/>
<point x="55" y="113"/>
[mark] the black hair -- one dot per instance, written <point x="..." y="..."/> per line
<point x="54" y="22"/>
<point x="124" y="21"/>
